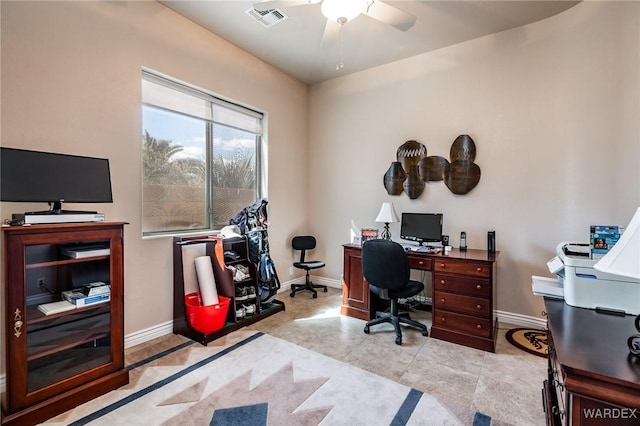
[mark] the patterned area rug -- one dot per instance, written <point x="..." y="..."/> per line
<point x="251" y="378"/>
<point x="529" y="340"/>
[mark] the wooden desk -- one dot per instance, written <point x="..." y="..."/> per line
<point x="463" y="294"/>
<point x="592" y="378"/>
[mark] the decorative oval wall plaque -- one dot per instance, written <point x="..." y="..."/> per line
<point x="463" y="148"/>
<point x="410" y="153"/>
<point x="394" y="178"/>
<point x="432" y="168"/>
<point x="414" y="185"/>
<point x="461" y="176"/>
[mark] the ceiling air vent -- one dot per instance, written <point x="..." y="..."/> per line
<point x="267" y="18"/>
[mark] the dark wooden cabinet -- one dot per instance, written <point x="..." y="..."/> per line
<point x="592" y="378"/>
<point x="58" y="361"/>
<point x="215" y="246"/>
<point x="463" y="294"/>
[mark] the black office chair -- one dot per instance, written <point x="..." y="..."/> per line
<point x="385" y="266"/>
<point x="304" y="243"/>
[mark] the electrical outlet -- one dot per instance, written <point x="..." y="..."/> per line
<point x="41" y="282"/>
<point x="290" y="271"/>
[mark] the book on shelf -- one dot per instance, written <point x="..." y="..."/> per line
<point x="83" y="251"/>
<point x="56" y="307"/>
<point x="79" y="299"/>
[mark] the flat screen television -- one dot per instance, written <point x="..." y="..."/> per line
<point x="36" y="176"/>
<point x="421" y="227"/>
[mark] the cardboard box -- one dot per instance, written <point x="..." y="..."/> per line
<point x="79" y="299"/>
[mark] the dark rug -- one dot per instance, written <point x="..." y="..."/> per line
<point x="529" y="340"/>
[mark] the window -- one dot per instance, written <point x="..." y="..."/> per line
<point x="201" y="157"/>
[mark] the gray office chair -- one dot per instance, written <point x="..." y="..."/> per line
<point x="385" y="266"/>
<point x="304" y="243"/>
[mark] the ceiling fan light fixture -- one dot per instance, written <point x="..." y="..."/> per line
<point x="342" y="11"/>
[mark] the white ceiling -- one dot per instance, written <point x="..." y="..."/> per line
<point x="295" y="46"/>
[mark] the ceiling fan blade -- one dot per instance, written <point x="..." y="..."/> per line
<point x="280" y="4"/>
<point x="331" y="33"/>
<point x="390" y="15"/>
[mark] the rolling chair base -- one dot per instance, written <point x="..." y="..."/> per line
<point x="396" y="319"/>
<point x="307" y="286"/>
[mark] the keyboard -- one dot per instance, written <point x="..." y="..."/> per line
<point x="421" y="249"/>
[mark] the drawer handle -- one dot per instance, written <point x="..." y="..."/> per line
<point x="443" y="300"/>
<point x="442" y="265"/>
<point x="479" y="327"/>
<point x="421" y="263"/>
<point x="479" y="269"/>
<point x="479" y="306"/>
<point x="478" y="287"/>
<point x="444" y="319"/>
<point x="442" y="282"/>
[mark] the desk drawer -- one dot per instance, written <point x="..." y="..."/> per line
<point x="464" y="323"/>
<point x="463" y="304"/>
<point x="468" y="285"/>
<point x="420" y="263"/>
<point x="476" y="269"/>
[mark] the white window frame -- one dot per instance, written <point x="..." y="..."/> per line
<point x="216" y="111"/>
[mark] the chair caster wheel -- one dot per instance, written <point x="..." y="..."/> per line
<point x="425" y="333"/>
<point x="398" y="340"/>
<point x="325" y="289"/>
<point x="292" y="294"/>
<point x="315" y="295"/>
<point x="366" y="329"/>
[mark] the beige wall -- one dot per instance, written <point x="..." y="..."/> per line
<point x="553" y="108"/>
<point x="71" y="83"/>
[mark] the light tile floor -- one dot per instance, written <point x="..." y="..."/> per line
<point x="505" y="385"/>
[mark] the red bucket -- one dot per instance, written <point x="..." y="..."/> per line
<point x="206" y="319"/>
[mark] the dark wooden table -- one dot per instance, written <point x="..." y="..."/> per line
<point x="591" y="370"/>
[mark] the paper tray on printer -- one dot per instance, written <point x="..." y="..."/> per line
<point x="549" y="287"/>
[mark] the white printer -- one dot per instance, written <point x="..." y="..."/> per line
<point x="586" y="287"/>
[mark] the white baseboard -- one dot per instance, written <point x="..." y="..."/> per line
<point x="286" y="285"/>
<point x="147" y="334"/>
<point x="520" y="320"/>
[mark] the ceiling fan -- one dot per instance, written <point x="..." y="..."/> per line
<point x="339" y="12"/>
<point x="343" y="11"/>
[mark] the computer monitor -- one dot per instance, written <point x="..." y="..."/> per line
<point x="421" y="227"/>
<point x="35" y="176"/>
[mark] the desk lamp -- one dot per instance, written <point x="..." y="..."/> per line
<point x="624" y="259"/>
<point x="387" y="215"/>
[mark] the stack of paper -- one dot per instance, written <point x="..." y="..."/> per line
<point x="549" y="287"/>
<point x="56" y="307"/>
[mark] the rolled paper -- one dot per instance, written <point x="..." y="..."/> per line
<point x="206" y="281"/>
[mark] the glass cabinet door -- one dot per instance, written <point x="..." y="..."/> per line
<point x="65" y="336"/>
